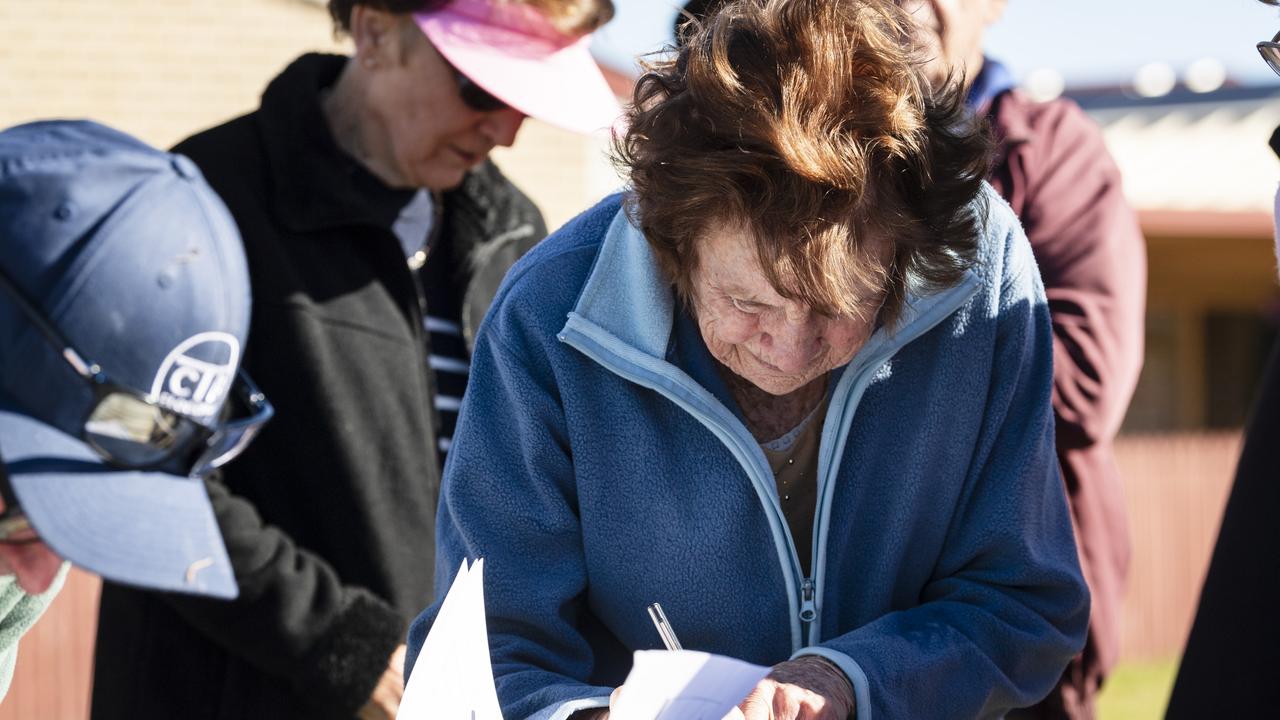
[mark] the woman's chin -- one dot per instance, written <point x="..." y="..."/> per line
<point x="777" y="385"/>
<point x="765" y="377"/>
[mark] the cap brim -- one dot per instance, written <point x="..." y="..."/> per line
<point x="558" y="84"/>
<point x="148" y="529"/>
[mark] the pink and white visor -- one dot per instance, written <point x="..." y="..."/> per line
<point x="517" y="55"/>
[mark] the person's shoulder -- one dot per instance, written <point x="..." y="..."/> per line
<point x="214" y="143"/>
<point x="998" y="218"/>
<point x="1058" y="126"/>
<point x="546" y="282"/>
<point x="226" y="154"/>
<point x="1004" y="253"/>
<point x="568" y="253"/>
<point x="1017" y="104"/>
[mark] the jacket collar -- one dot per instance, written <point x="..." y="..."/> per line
<point x="989" y="96"/>
<point x="993" y="80"/>
<point x="334" y="190"/>
<point x="627" y="295"/>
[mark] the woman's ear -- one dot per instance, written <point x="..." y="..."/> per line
<point x="374" y="33"/>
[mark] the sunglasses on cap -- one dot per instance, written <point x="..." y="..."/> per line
<point x="1270" y="51"/>
<point x="129" y="430"/>
<point x="474" y="96"/>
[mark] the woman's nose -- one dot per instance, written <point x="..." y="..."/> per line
<point x="793" y="342"/>
<point x="501" y="126"/>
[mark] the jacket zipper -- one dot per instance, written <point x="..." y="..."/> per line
<point x="808" y="608"/>
<point x="811" y="585"/>
<point x="582" y="335"/>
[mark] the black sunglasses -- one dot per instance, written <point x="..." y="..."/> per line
<point x="128" y="429"/>
<point x="474" y="96"/>
<point x="1270" y="51"/>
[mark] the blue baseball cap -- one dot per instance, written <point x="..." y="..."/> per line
<point x="135" y="261"/>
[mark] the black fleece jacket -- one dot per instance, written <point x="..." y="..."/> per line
<point x="329" y="517"/>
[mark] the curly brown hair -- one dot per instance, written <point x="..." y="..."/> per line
<point x="810" y="124"/>
<point x="572" y="17"/>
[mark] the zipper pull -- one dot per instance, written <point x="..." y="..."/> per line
<point x="808" y="608"/>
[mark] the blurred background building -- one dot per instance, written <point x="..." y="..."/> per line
<point x="1196" y="166"/>
<point x="1191" y="143"/>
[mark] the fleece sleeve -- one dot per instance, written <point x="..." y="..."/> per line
<point x="1006" y="606"/>
<point x="509" y="496"/>
<point x="294" y="618"/>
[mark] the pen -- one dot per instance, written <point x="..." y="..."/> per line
<point x="664" y="628"/>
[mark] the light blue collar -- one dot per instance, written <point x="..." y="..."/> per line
<point x="627" y="296"/>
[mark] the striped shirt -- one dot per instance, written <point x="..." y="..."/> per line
<point x="446" y="347"/>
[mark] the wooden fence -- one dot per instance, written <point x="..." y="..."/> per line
<point x="1176" y="488"/>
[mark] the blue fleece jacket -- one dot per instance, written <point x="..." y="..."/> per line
<point x="601" y="465"/>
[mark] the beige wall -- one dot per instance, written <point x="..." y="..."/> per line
<point x="564" y="173"/>
<point x="159" y="69"/>
<point x="163" y="69"/>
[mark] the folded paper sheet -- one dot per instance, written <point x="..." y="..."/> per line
<point x="684" y="685"/>
<point x="453" y="677"/>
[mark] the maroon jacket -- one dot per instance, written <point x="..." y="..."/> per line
<point x="1052" y="167"/>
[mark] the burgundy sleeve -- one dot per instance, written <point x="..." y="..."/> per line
<point x="1064" y="185"/>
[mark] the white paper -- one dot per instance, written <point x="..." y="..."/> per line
<point x="453" y="677"/>
<point x="684" y="685"/>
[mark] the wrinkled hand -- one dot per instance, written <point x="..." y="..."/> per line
<point x="807" y="688"/>
<point x="385" y="700"/>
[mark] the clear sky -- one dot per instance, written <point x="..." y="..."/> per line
<point x="1087" y="41"/>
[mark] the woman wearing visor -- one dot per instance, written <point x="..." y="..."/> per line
<point x="376" y="233"/>
<point x="124" y="301"/>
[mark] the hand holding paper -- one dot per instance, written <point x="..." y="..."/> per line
<point x="806" y="688"/>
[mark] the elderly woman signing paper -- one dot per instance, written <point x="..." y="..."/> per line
<point x="794" y="385"/>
